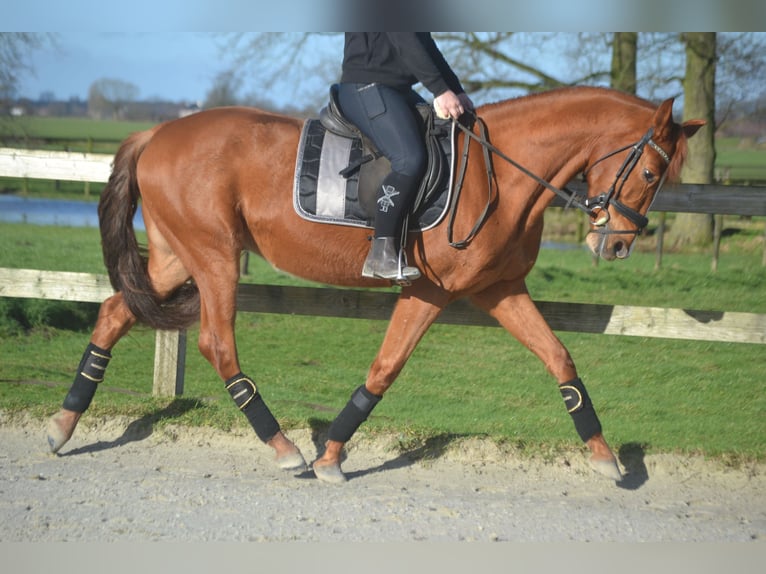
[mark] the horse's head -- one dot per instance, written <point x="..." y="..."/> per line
<point x="623" y="182"/>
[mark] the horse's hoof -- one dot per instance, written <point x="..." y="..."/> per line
<point x="330" y="473"/>
<point x="60" y="429"/>
<point x="607" y="468"/>
<point x="293" y="462"/>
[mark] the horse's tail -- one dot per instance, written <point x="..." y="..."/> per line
<point x="125" y="261"/>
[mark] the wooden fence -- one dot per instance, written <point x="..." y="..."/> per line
<point x="585" y="318"/>
<point x="680" y="198"/>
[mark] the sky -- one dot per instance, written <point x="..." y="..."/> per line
<point x="337" y="15"/>
<point x="174" y="66"/>
<point x="175" y="59"/>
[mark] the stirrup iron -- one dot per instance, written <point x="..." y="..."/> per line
<point x="384" y="261"/>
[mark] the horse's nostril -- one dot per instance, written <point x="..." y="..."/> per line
<point x="620" y="250"/>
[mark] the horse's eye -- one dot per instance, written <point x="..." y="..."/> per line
<point x="649" y="176"/>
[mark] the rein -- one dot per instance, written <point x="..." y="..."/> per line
<point x="594" y="208"/>
<point x="486" y="148"/>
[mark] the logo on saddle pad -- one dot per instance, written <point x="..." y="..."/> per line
<point x="337" y="180"/>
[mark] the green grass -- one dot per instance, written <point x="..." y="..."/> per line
<point x="666" y="395"/>
<point x="72" y="133"/>
<point x="741" y="161"/>
<point x="51" y="247"/>
<point x="48" y="189"/>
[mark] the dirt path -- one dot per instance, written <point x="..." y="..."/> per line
<point x="114" y="482"/>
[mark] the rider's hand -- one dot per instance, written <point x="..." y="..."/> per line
<point x="449" y="105"/>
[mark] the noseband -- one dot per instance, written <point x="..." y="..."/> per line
<point x="598" y="205"/>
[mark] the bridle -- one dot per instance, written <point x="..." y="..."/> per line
<point x="598" y="205"/>
<point x="595" y="207"/>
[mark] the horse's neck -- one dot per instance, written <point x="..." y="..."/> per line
<point x="554" y="151"/>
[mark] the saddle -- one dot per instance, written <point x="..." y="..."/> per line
<point x="339" y="170"/>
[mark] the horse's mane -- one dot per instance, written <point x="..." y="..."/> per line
<point x="609" y="94"/>
<point x="569" y="92"/>
<point x="679" y="157"/>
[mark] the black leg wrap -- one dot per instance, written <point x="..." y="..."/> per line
<point x="246" y="396"/>
<point x="580" y="407"/>
<point x="353" y="414"/>
<point x="90" y="373"/>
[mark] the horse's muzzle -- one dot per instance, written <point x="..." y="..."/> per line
<point x="609" y="246"/>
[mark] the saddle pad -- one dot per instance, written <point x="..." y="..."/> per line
<point x="322" y="195"/>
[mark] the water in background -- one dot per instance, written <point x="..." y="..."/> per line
<point x="14" y="209"/>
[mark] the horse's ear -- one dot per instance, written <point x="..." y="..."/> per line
<point x="691" y="127"/>
<point x="664" y="114"/>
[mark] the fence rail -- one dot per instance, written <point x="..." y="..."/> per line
<point x="698" y="198"/>
<point x="61" y="165"/>
<point x="170" y="347"/>
<point x="682" y="198"/>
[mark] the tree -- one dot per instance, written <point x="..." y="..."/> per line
<point x="224" y="90"/>
<point x="624" y="58"/>
<point x="298" y="66"/>
<point x="496" y="65"/>
<point x="740" y="69"/>
<point x="303" y="65"/>
<point x="15" y="50"/>
<point x="499" y="62"/>
<point x="109" y="97"/>
<point x="699" y="102"/>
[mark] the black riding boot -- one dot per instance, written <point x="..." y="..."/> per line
<point x="385" y="261"/>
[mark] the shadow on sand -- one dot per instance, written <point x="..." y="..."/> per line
<point x="632" y="458"/>
<point x="141" y="428"/>
<point x="431" y="448"/>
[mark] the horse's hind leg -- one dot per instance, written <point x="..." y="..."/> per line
<point x="114" y="321"/>
<point x="512" y="306"/>
<point x="218" y="290"/>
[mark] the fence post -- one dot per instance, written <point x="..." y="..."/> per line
<point x="89" y="149"/>
<point x="169" y="363"/>
<point x="717" y="228"/>
<point x="660" y="240"/>
<point x="763" y="261"/>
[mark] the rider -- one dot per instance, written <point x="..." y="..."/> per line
<point x="376" y="94"/>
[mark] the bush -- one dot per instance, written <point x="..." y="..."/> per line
<point x="18" y="316"/>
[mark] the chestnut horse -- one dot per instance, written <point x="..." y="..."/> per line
<point x="219" y="182"/>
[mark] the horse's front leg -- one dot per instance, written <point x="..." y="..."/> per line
<point x="413" y="315"/>
<point x="511" y="305"/>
